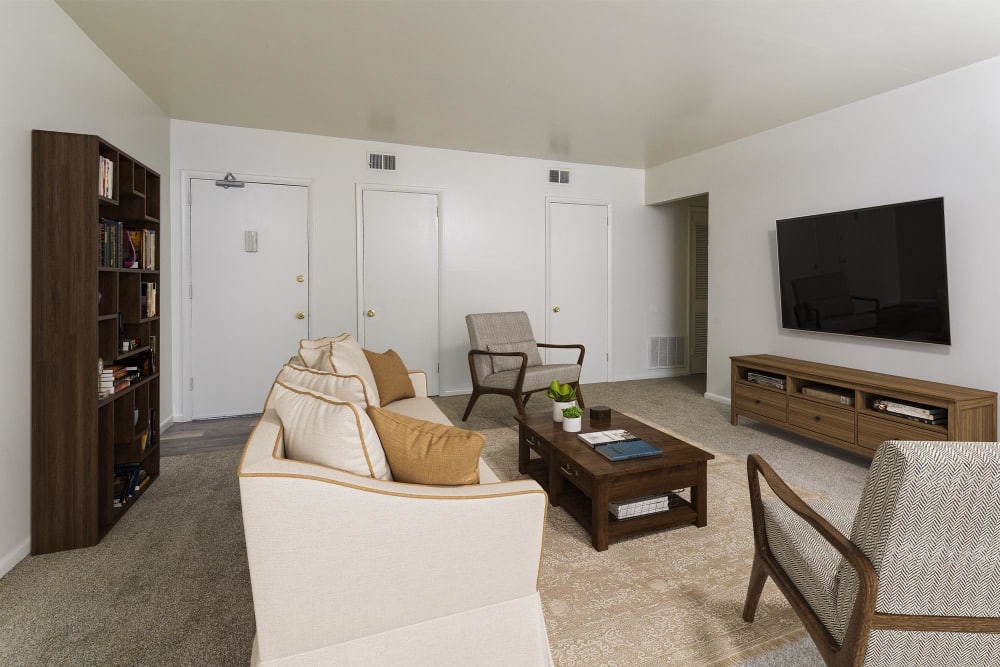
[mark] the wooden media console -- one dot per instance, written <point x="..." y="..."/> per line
<point x="840" y="410"/>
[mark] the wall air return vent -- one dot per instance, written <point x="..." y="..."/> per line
<point x="558" y="176"/>
<point x="381" y="162"/>
<point x="666" y="352"/>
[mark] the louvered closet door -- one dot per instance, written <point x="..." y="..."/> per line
<point x="698" y="233"/>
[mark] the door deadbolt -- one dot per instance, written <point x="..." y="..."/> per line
<point x="300" y="315"/>
<point x="370" y="313"/>
<point x="555" y="309"/>
<point x="300" y="278"/>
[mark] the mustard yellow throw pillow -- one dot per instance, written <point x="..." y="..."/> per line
<point x="391" y="378"/>
<point x="422" y="452"/>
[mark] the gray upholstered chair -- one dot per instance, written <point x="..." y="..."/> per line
<point x="504" y="359"/>
<point x="917" y="583"/>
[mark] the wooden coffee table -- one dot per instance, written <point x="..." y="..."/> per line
<point x="583" y="482"/>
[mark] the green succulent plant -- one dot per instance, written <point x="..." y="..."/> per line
<point x="572" y="412"/>
<point x="561" y="392"/>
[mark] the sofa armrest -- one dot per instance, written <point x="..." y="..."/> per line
<point x="334" y="557"/>
<point x="419" y="380"/>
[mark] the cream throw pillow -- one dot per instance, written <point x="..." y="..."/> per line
<point x="422" y="452"/>
<point x="349" y="359"/>
<point x="529" y="347"/>
<point x="315" y="353"/>
<point x="350" y="388"/>
<point x="319" y="429"/>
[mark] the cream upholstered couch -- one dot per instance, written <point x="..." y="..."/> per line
<point x="349" y="570"/>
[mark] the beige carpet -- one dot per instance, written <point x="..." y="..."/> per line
<point x="668" y="598"/>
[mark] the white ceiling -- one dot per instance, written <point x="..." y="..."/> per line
<point x="618" y="83"/>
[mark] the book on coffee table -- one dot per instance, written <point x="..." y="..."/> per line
<point x="630" y="449"/>
<point x="605" y="437"/>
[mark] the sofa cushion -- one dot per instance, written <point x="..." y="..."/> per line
<point x="391" y="377"/>
<point x="320" y="429"/>
<point x="350" y="388"/>
<point x="420" y="407"/>
<point x="315" y="353"/>
<point x="529" y="347"/>
<point x="423" y="452"/>
<point x="349" y="359"/>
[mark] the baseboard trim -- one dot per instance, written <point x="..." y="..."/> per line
<point x="456" y="392"/>
<point x="718" y="399"/>
<point x="16" y="555"/>
<point x="652" y="375"/>
<point x="166" y="423"/>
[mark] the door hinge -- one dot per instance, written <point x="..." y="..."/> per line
<point x="191" y="291"/>
<point x="191" y="384"/>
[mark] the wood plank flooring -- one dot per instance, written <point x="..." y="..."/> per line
<point x="207" y="435"/>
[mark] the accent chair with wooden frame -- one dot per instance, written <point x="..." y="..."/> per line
<point x="504" y="359"/>
<point x="917" y="583"/>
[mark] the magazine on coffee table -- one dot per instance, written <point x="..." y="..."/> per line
<point x="607" y="437"/>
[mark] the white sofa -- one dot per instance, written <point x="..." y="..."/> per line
<point x="349" y="570"/>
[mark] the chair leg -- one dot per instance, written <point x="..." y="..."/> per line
<point x="758" y="576"/>
<point x="472" y="401"/>
<point x="579" y="396"/>
<point x="519" y="401"/>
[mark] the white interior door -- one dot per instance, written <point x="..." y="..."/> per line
<point x="399" y="286"/>
<point x="249" y="292"/>
<point x="698" y="299"/>
<point x="578" y="288"/>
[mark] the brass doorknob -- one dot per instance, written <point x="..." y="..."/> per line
<point x="370" y="313"/>
<point x="555" y="309"/>
<point x="300" y="278"/>
<point x="300" y="315"/>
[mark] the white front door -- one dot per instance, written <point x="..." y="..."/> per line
<point x="249" y="292"/>
<point x="399" y="285"/>
<point x="578" y="289"/>
<point x="698" y="299"/>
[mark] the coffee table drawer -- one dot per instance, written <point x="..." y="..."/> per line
<point x="574" y="472"/>
<point x="764" y="402"/>
<point x="826" y="419"/>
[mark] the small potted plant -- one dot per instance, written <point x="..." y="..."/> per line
<point x="563" y="396"/>
<point x="572" y="419"/>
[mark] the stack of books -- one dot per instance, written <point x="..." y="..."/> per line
<point x="130" y="478"/>
<point x="109" y="252"/>
<point x="106" y="177"/>
<point x="776" y="381"/>
<point x="925" y="414"/>
<point x="147" y="299"/>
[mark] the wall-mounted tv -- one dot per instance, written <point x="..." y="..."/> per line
<point x="879" y="272"/>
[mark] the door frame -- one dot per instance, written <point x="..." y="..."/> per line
<point x="549" y="200"/>
<point x="690" y="288"/>
<point x="182" y="366"/>
<point x="359" y="235"/>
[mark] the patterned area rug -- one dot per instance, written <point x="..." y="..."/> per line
<point x="668" y="598"/>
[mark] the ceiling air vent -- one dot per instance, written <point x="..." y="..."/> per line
<point x="381" y="162"/>
<point x="558" y="176"/>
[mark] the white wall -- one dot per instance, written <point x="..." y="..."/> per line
<point x="493" y="221"/>
<point x="52" y="77"/>
<point x="939" y="137"/>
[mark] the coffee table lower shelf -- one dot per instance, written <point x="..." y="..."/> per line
<point x="580" y="507"/>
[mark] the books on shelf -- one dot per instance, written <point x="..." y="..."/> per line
<point x="124" y="248"/>
<point x="605" y="437"/>
<point x="629" y="449"/>
<point x="627" y="509"/>
<point x="766" y="379"/>
<point x="828" y="393"/>
<point x="128" y="478"/>
<point x="927" y="414"/>
<point x="147" y="299"/>
<point x="106" y="177"/>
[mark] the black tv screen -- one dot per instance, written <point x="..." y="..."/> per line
<point x="879" y="272"/>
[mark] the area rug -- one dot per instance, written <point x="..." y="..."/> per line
<point x="672" y="597"/>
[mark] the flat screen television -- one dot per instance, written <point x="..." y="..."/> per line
<point x="879" y="272"/>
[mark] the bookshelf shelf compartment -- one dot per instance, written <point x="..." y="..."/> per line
<point x="840" y="412"/>
<point x="80" y="313"/>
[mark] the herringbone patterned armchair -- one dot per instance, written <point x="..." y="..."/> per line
<point x="917" y="583"/>
<point x="504" y="359"/>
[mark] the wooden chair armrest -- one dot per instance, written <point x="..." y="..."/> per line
<point x="864" y="604"/>
<point x="579" y="361"/>
<point x="520" y="375"/>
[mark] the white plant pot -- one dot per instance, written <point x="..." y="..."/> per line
<point x="557" y="408"/>
<point x="572" y="424"/>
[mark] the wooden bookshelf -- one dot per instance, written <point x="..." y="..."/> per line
<point x="846" y="417"/>
<point x="81" y="311"/>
